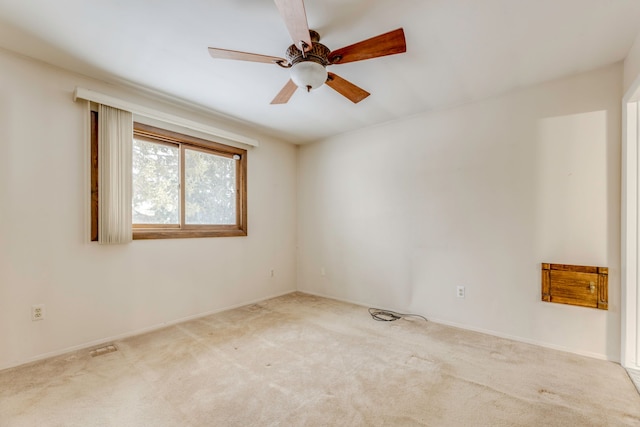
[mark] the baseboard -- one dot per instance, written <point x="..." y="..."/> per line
<point x="480" y="330"/>
<point x="634" y="374"/>
<point x="527" y="340"/>
<point x="141" y="331"/>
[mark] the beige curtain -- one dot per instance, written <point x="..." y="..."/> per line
<point x="115" y="139"/>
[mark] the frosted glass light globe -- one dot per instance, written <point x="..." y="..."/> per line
<point x="308" y="75"/>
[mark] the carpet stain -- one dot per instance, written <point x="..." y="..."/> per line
<point x="550" y="396"/>
<point x="498" y="356"/>
<point x="253" y="308"/>
<point x="628" y="417"/>
<point x="418" y="359"/>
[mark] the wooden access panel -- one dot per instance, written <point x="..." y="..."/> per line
<point x="576" y="285"/>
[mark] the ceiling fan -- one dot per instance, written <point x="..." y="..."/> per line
<point x="308" y="59"/>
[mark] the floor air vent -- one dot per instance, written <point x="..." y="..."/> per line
<point x="103" y="350"/>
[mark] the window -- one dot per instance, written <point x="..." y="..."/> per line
<point x="182" y="186"/>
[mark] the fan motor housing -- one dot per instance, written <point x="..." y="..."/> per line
<point x="318" y="53"/>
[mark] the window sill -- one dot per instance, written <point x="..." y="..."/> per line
<point x="148" y="234"/>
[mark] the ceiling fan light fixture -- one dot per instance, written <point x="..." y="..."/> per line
<point x="308" y="74"/>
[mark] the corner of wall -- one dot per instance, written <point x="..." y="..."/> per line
<point x="632" y="64"/>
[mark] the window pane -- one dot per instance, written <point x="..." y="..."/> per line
<point x="210" y="188"/>
<point x="156" y="183"/>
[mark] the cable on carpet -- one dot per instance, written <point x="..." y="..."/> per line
<point x="390" y="316"/>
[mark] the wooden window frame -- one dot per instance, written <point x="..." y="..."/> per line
<point x="173" y="231"/>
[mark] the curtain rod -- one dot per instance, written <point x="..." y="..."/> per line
<point x="100" y="98"/>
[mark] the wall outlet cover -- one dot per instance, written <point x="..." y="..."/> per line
<point x="37" y="312"/>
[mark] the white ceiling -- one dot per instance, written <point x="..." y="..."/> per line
<point x="457" y="51"/>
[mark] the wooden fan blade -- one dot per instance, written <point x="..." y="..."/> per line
<point x="385" y="44"/>
<point x="244" y="56"/>
<point x="346" y="88"/>
<point x="285" y="94"/>
<point x="295" y="18"/>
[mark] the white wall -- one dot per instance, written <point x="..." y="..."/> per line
<point x="632" y="64"/>
<point x="400" y="214"/>
<point x="94" y="292"/>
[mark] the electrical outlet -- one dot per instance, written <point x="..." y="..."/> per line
<point x="460" y="291"/>
<point x="37" y="312"/>
<point x="323" y="272"/>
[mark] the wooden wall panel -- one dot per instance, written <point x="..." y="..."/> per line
<point x="580" y="285"/>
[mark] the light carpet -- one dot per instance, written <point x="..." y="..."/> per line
<point x="635" y="377"/>
<point x="300" y="360"/>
